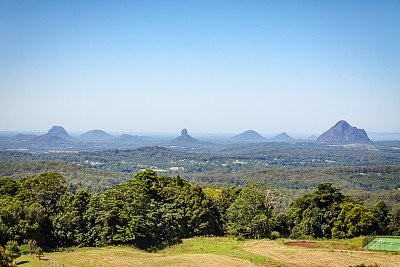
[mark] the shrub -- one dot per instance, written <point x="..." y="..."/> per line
<point x="12" y="249"/>
<point x="275" y="235"/>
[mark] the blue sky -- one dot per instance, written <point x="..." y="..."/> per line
<point x="208" y="66"/>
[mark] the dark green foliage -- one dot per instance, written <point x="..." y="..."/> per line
<point x="151" y="211"/>
<point x="314" y="214"/>
<point x="8" y="187"/>
<point x="354" y="219"/>
<point x="381" y="217"/>
<point x="394" y="225"/>
<point x="355" y="178"/>
<point x="392" y="198"/>
<point x="5" y="260"/>
<point x="369" y="184"/>
<point x="27" y="214"/>
<point x="69" y="223"/>
<point x="255" y="156"/>
<point x="253" y="211"/>
<point x="78" y="177"/>
<point x="222" y="202"/>
<point x="12" y="249"/>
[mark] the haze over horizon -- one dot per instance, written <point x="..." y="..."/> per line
<point x="208" y="66"/>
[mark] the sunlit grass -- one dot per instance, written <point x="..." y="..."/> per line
<point x="25" y="260"/>
<point x="226" y="246"/>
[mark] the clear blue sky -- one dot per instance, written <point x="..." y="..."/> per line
<point x="208" y="66"/>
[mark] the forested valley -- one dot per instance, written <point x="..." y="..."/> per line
<point x="152" y="211"/>
<point x="369" y="184"/>
<point x="240" y="157"/>
<point x="153" y="197"/>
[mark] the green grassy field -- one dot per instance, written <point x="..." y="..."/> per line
<point x="224" y="251"/>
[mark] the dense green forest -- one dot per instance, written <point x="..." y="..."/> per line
<point x="372" y="178"/>
<point x="261" y="156"/>
<point x="152" y="211"/>
<point x="77" y="177"/>
<point x="370" y="184"/>
<point x="112" y="197"/>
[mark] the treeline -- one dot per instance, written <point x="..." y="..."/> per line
<point x="77" y="176"/>
<point x="372" y="178"/>
<point x="369" y="184"/>
<point x="269" y="155"/>
<point x="151" y="212"/>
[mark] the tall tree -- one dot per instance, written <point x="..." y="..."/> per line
<point x="250" y="215"/>
<point x="394" y="224"/>
<point x="354" y="219"/>
<point x="314" y="214"/>
<point x="381" y="217"/>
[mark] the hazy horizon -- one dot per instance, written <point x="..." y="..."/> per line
<point x="210" y="66"/>
<point x="207" y="136"/>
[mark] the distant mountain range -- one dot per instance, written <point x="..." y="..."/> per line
<point x="58" y="139"/>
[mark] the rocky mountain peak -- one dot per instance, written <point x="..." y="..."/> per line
<point x="184" y="132"/>
<point x="58" y="130"/>
<point x="342" y="124"/>
<point x="342" y="132"/>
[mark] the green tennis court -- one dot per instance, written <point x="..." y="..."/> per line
<point x="384" y="243"/>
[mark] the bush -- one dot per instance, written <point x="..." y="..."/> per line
<point x="24" y="249"/>
<point x="239" y="237"/>
<point x="12" y="249"/>
<point x="275" y="235"/>
<point x="5" y="260"/>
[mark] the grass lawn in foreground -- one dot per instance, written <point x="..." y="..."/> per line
<point x="226" y="251"/>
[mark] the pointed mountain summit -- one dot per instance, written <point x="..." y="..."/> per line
<point x="282" y="137"/>
<point x="96" y="136"/>
<point x="184" y="132"/>
<point x="185" y="142"/>
<point x="342" y="132"/>
<point x="248" y="136"/>
<point x="185" y="138"/>
<point x="56" y="135"/>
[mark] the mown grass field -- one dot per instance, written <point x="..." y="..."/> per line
<point x="223" y="251"/>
